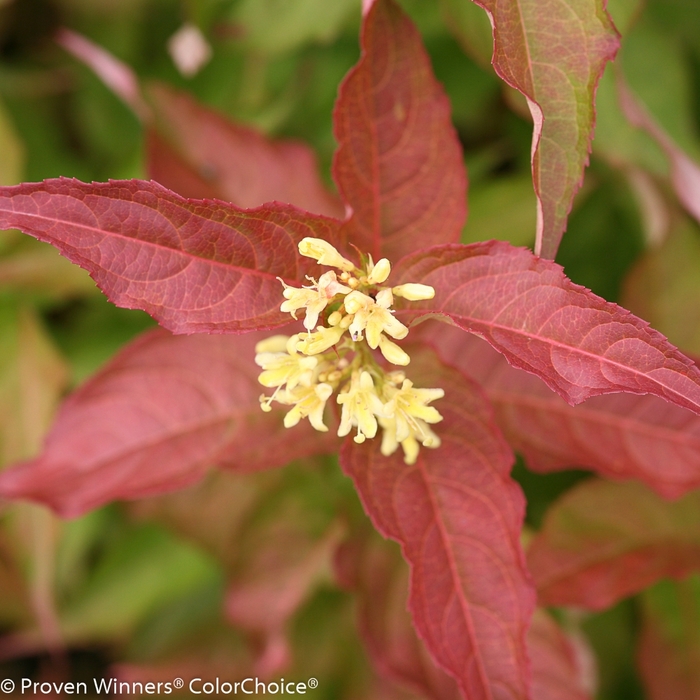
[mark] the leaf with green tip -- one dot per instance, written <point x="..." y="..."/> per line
<point x="553" y="52"/>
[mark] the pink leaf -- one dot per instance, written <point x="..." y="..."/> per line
<point x="603" y="541"/>
<point x="198" y="153"/>
<point x="117" y="76"/>
<point x="554" y="52"/>
<point x="153" y="420"/>
<point x="620" y="436"/>
<point x="399" y="164"/>
<point x="195" y="266"/>
<point x="458" y="516"/>
<point x="579" y="344"/>
<point x="561" y="665"/>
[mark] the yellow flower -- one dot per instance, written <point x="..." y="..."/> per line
<point x="373" y="317"/>
<point x="360" y="404"/>
<point x="306" y="382"/>
<point x="314" y="299"/>
<point x="308" y="401"/>
<point x="283" y="368"/>
<point x="281" y="364"/>
<point x="320" y="341"/>
<point x="324" y="253"/>
<point x="405" y="420"/>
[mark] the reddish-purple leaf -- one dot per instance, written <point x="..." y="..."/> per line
<point x="374" y="569"/>
<point x="562" y="667"/>
<point x="579" y="344"/>
<point x="457" y="515"/>
<point x="195" y="266"/>
<point x="399" y="164"/>
<point x="668" y="655"/>
<point x="153" y="420"/>
<point x="620" y="436"/>
<point x="603" y="541"/>
<point x="554" y="52"/>
<point x="196" y="152"/>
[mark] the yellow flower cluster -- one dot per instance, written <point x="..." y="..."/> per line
<point x="306" y="369"/>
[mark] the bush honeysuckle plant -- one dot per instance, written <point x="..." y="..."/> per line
<point x="424" y="362"/>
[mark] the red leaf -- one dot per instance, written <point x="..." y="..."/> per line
<point x="195" y="266"/>
<point x="554" y="52"/>
<point x="579" y="344"/>
<point x="378" y="575"/>
<point x="198" y="153"/>
<point x="602" y="542"/>
<point x="561" y="665"/>
<point x="620" y="436"/>
<point x="399" y="164"/>
<point x="458" y="516"/>
<point x="153" y="420"/>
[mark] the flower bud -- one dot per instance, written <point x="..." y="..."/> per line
<point x="414" y="292"/>
<point x="324" y="253"/>
<point x="392" y="352"/>
<point x="379" y="272"/>
<point x="335" y="318"/>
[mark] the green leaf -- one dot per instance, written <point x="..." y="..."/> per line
<point x="657" y="71"/>
<point x="664" y="287"/>
<point x="32" y="378"/>
<point x="12" y="150"/>
<point x="669" y="652"/>
<point x="276" y="26"/>
<point x="488" y="218"/>
<point x="471" y="26"/>
<point x="145" y="570"/>
<point x="616" y="140"/>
